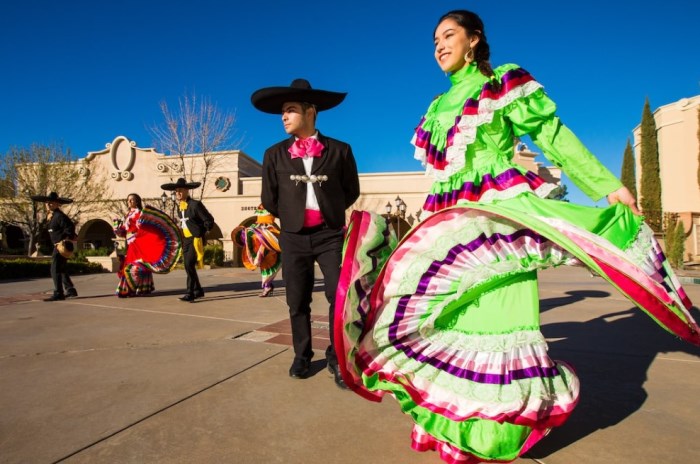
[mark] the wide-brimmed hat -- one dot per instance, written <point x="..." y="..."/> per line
<point x="53" y="196"/>
<point x="66" y="248"/>
<point x="271" y="99"/>
<point x="181" y="183"/>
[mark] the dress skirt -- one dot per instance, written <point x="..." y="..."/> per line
<point x="154" y="247"/>
<point x="447" y="320"/>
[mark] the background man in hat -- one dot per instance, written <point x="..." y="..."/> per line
<point x="309" y="180"/>
<point x="61" y="229"/>
<point x="195" y="221"/>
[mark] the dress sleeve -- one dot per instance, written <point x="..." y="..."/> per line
<point x="534" y="115"/>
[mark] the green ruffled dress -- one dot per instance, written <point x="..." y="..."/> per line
<point x="447" y="320"/>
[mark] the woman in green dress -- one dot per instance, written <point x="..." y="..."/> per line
<point x="447" y="320"/>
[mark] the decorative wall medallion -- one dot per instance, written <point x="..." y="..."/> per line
<point x="222" y="183"/>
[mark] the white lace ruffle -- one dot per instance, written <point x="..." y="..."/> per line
<point x="455" y="155"/>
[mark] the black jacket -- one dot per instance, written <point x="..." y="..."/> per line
<point x="286" y="199"/>
<point x="60" y="226"/>
<point x="197" y="218"/>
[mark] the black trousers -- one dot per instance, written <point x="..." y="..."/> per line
<point x="299" y="253"/>
<point x="190" y="260"/>
<point x="59" y="273"/>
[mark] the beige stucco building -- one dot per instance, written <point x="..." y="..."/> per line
<point x="231" y="189"/>
<point x="677" y="134"/>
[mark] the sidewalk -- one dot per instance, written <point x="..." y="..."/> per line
<point x="99" y="379"/>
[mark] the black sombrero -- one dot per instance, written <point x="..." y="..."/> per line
<point x="53" y="196"/>
<point x="181" y="183"/>
<point x="271" y="99"/>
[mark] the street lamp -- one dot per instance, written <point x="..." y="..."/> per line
<point x="398" y="215"/>
<point x="163" y="200"/>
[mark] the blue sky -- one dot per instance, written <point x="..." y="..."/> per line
<point x="83" y="72"/>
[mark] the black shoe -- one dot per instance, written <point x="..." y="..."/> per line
<point x="71" y="293"/>
<point x="199" y="294"/>
<point x="55" y="297"/>
<point x="337" y="377"/>
<point x="187" y="297"/>
<point x="299" y="369"/>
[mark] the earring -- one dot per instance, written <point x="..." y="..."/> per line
<point x="469" y="56"/>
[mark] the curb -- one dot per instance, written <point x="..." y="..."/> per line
<point x="685" y="280"/>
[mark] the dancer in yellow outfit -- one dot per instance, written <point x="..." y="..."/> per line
<point x="195" y="221"/>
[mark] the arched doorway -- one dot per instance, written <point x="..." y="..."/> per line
<point x="214" y="235"/>
<point x="12" y="240"/>
<point x="96" y="233"/>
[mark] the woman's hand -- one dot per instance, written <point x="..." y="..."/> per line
<point x="624" y="196"/>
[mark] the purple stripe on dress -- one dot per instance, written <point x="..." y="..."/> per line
<point x="362" y="290"/>
<point x="424" y="283"/>
<point x="361" y="296"/>
<point x="481" y="377"/>
<point x="263" y="239"/>
<point x="510" y="81"/>
<point x="472" y="191"/>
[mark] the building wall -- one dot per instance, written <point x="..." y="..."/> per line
<point x="677" y="135"/>
<point x="233" y="186"/>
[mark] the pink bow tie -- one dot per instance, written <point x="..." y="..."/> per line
<point x="309" y="146"/>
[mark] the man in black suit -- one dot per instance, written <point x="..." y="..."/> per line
<point x="309" y="180"/>
<point x="62" y="233"/>
<point x="195" y="221"/>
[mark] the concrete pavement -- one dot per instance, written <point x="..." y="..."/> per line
<point x="99" y="379"/>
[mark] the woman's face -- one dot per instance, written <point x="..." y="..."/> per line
<point x="131" y="202"/>
<point x="451" y="44"/>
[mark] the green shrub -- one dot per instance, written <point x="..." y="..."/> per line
<point x="678" y="246"/>
<point x="22" y="268"/>
<point x="674" y="241"/>
<point x="214" y="255"/>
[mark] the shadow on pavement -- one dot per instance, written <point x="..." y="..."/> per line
<point x="611" y="355"/>
<point x="574" y="297"/>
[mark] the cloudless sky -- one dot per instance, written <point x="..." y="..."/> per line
<point x="83" y="72"/>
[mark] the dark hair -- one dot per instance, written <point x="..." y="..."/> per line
<point x="472" y="23"/>
<point x="306" y="105"/>
<point x="137" y="197"/>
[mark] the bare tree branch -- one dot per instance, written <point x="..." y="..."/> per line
<point x="198" y="129"/>
<point x="39" y="170"/>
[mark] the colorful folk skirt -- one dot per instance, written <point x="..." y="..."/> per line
<point x="447" y="320"/>
<point x="155" y="247"/>
<point x="261" y="249"/>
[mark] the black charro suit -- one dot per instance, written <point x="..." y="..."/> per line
<point x="286" y="199"/>
<point x="60" y="228"/>
<point x="198" y="221"/>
